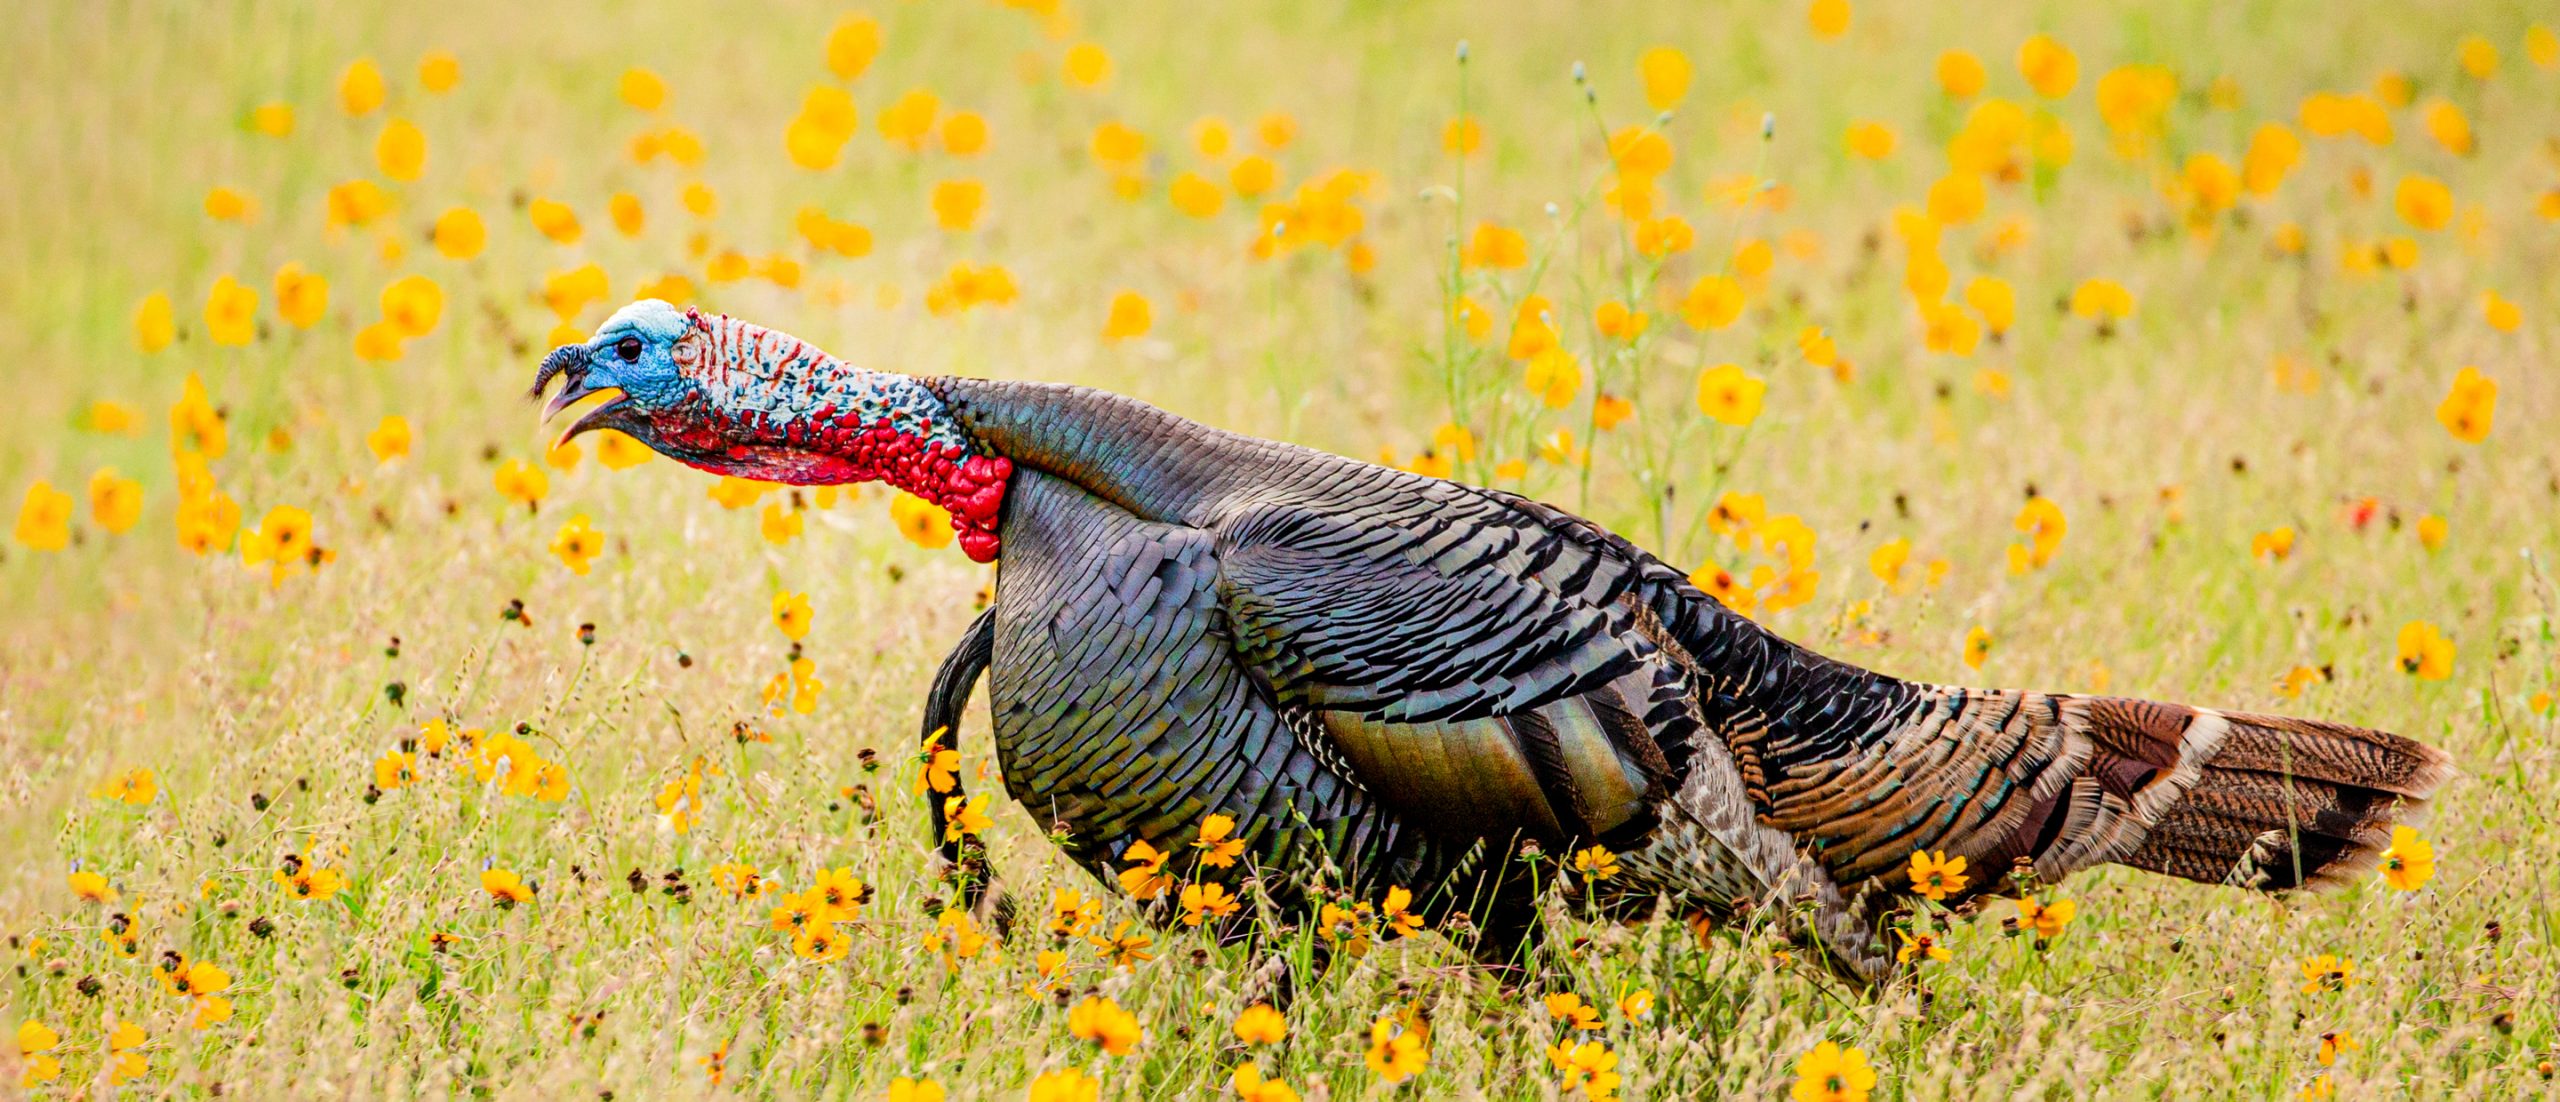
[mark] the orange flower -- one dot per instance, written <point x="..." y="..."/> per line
<point x="1870" y="139"/>
<point x="2470" y="406"/>
<point x="1496" y="246"/>
<point x="1129" y="316"/>
<point x="851" y="46"/>
<point x="1218" y="845"/>
<point x="413" y="304"/>
<point x="555" y="220"/>
<point x="1731" y="395"/>
<point x="302" y="296"/>
<point x="1194" y="195"/>
<point x="2101" y="299"/>
<point x="1087" y="65"/>
<point x="1144" y="879"/>
<point x="1261" y="1025"/>
<point x="360" y="87"/>
<point x="1665" y="72"/>
<point x="957" y="203"/>
<point x="439" y="72"/>
<point x="231" y="313"/>
<point x="222" y="204"/>
<point x="2423" y="202"/>
<point x="1960" y="74"/>
<point x="2425" y="653"/>
<point x="1713" y="302"/>
<point x="459" y="234"/>
<point x="1828" y="18"/>
<point x="2049" y="66"/>
<point x="400" y="150"/>
<point x="964" y="133"/>
<point x="1935" y="876"/>
<point x="1463" y="136"/>
<point x="643" y="89"/>
<point x="390" y="439"/>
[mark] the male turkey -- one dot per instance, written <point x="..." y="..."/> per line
<point x="1393" y="680"/>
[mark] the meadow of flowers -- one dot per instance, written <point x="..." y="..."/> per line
<point x="353" y="741"/>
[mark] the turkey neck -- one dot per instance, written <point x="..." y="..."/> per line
<point x="1156" y="465"/>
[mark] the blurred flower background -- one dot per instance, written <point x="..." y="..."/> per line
<point x="353" y="739"/>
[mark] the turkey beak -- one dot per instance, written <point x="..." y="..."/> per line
<point x="569" y="362"/>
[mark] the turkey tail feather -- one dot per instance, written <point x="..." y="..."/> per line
<point x="2064" y="783"/>
<point x="2275" y="803"/>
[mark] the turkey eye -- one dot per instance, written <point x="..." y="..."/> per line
<point x="629" y="349"/>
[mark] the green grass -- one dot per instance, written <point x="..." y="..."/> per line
<point x="261" y="708"/>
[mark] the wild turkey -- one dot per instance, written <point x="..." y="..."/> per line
<point x="1388" y="679"/>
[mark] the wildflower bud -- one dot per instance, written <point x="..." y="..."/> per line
<point x="2494" y="930"/>
<point x="2544" y="1069"/>
<point x="1062" y="996"/>
<point x="302" y="784"/>
<point x="261" y="926"/>
<point x="1580" y="74"/>
<point x="1199" y="958"/>
<point x="587" y="634"/>
<point x="1462" y="51"/>
<point x="2009" y="927"/>
<point x="2503" y="1022"/>
<point x="868" y="758"/>
<point x="392" y="651"/>
<point x="397" y="693"/>
<point x="220" y="839"/>
<point x="229" y="908"/>
<point x="372" y="794"/>
<point x="875" y="1034"/>
<point x="90" y="987"/>
<point x="57" y="966"/>
<point x="683" y="660"/>
<point x="349" y="978"/>
<point x="258" y="801"/>
<point x="906" y="994"/>
<point x="1768" y="125"/>
<point x="639" y="880"/>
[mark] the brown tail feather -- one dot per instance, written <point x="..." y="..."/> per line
<point x="2064" y="783"/>
<point x="2269" y="802"/>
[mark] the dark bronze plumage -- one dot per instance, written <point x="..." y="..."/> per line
<point x="1388" y="679"/>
